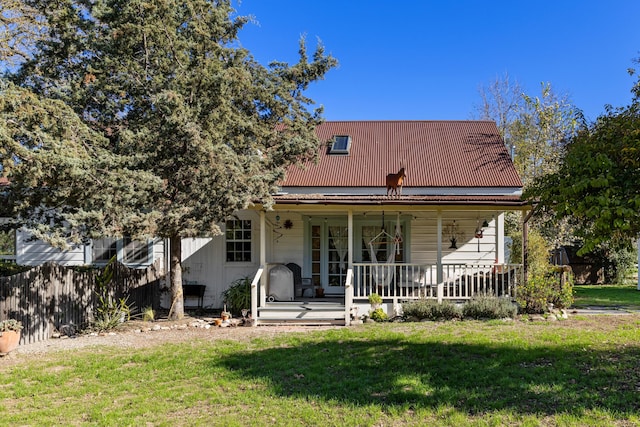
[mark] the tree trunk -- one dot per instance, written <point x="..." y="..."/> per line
<point x="177" y="299"/>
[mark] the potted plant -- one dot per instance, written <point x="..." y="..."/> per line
<point x="9" y="335"/>
<point x="375" y="300"/>
<point x="225" y="315"/>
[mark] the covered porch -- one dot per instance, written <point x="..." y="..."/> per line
<point x="343" y="264"/>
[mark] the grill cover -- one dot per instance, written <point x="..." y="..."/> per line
<point x="280" y="284"/>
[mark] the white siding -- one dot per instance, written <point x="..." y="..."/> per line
<point x="37" y="252"/>
<point x="424" y="239"/>
<point x="287" y="245"/>
<point x="204" y="261"/>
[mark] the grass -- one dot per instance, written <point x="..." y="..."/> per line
<point x="620" y="296"/>
<point x="583" y="371"/>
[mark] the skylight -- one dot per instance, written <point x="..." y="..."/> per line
<point x="341" y="144"/>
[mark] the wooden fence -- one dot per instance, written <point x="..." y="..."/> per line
<point x="51" y="298"/>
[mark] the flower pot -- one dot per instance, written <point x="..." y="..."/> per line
<point x="9" y="341"/>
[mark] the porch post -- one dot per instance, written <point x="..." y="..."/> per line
<point x="525" y="246"/>
<point x="439" y="273"/>
<point x="348" y="292"/>
<point x="499" y="219"/>
<point x="350" y="237"/>
<point x="263" y="259"/>
<point x="439" y="248"/>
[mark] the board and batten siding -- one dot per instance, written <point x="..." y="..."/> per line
<point x="204" y="262"/>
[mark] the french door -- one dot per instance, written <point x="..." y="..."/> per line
<point x="329" y="255"/>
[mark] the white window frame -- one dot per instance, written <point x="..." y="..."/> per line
<point x="121" y="253"/>
<point x="242" y="240"/>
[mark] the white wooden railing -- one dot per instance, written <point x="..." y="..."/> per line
<point x="348" y="297"/>
<point x="254" y="295"/>
<point x="455" y="281"/>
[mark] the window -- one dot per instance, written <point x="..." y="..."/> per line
<point x="135" y="251"/>
<point x="104" y="249"/>
<point x="126" y="250"/>
<point x="341" y="144"/>
<point x="238" y="236"/>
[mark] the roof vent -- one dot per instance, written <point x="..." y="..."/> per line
<point x="341" y="144"/>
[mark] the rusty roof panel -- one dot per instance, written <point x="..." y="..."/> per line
<point x="434" y="153"/>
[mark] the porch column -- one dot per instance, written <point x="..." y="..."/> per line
<point x="439" y="273"/>
<point x="499" y="219"/>
<point x="350" y="237"/>
<point x="348" y="291"/>
<point x="263" y="259"/>
<point x="439" y="248"/>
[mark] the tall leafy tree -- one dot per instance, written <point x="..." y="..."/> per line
<point x="167" y="86"/>
<point x="538" y="129"/>
<point x="596" y="183"/>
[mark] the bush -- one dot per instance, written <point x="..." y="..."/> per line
<point x="378" y="315"/>
<point x="431" y="310"/>
<point x="110" y="312"/>
<point x="489" y="307"/>
<point x="238" y="295"/>
<point x="544" y="288"/>
<point x="9" y="268"/>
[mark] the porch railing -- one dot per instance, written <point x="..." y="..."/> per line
<point x="415" y="281"/>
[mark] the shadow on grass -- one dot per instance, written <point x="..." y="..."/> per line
<point x="472" y="378"/>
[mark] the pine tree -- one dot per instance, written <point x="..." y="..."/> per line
<point x="167" y="86"/>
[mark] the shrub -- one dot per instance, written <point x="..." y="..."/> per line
<point x="489" y="307"/>
<point x="238" y="295"/>
<point x="110" y="312"/>
<point x="10" y="325"/>
<point x="431" y="310"/>
<point x="545" y="282"/>
<point x="379" y="315"/>
<point x="546" y="288"/>
<point x="8" y="268"/>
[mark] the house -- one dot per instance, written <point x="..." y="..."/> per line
<point x="344" y="237"/>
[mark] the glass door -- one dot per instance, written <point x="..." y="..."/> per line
<point x="329" y="252"/>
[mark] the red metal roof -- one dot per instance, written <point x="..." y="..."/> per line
<point x="434" y="153"/>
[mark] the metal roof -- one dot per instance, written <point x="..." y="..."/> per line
<point x="434" y="154"/>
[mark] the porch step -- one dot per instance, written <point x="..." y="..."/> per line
<point x="307" y="313"/>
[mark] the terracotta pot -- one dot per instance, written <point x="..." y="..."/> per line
<point x="9" y="341"/>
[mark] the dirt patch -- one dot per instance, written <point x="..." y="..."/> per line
<point x="138" y="334"/>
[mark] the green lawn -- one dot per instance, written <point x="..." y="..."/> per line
<point x="623" y="296"/>
<point x="583" y="371"/>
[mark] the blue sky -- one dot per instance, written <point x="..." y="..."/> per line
<point x="425" y="60"/>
